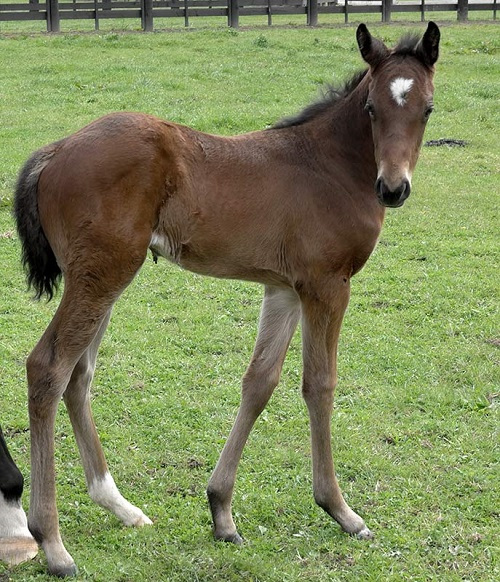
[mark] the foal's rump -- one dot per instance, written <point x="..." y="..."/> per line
<point x="110" y="173"/>
<point x="96" y="192"/>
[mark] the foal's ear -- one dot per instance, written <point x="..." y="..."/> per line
<point x="427" y="49"/>
<point x="372" y="50"/>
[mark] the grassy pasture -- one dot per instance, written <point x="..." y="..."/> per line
<point x="416" y="415"/>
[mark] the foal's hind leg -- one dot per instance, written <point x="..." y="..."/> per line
<point x="279" y="317"/>
<point x="49" y="369"/>
<point x="84" y="307"/>
<point x="100" y="483"/>
<point x="320" y="332"/>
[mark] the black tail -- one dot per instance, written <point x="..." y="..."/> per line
<point x="39" y="262"/>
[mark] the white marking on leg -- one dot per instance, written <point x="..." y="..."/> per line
<point x="105" y="493"/>
<point x="16" y="542"/>
<point x="13" y="522"/>
<point x="400" y="88"/>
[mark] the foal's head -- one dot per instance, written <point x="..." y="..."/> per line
<point x="399" y="104"/>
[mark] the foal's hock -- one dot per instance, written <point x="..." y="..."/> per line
<point x="297" y="207"/>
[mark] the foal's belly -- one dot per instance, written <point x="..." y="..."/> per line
<point x="219" y="261"/>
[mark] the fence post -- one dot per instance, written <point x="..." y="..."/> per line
<point x="463" y="10"/>
<point x="233" y="13"/>
<point x="386" y="10"/>
<point x="147" y="15"/>
<point x="312" y="12"/>
<point x="96" y="16"/>
<point x="53" y="22"/>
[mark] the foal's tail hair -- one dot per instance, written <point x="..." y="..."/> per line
<point x="39" y="262"/>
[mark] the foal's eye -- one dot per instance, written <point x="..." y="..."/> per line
<point x="429" y="109"/>
<point x="370" y="109"/>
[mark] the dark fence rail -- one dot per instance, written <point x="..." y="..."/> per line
<point x="53" y="11"/>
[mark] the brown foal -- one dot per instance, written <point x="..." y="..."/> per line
<point x="297" y="207"/>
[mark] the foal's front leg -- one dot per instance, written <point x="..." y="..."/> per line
<point x="279" y="317"/>
<point x="321" y="327"/>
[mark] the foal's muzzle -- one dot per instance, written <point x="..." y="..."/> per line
<point x="392" y="198"/>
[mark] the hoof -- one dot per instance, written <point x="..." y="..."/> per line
<point x="59" y="561"/>
<point x="364" y="534"/>
<point x="16" y="550"/>
<point x="142" y="520"/>
<point x="64" y="571"/>
<point x="233" y="539"/>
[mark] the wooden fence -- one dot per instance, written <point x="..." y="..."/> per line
<point x="53" y="11"/>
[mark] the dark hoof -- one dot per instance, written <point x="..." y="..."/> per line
<point x="236" y="539"/>
<point x="64" y="571"/>
<point x="364" y="534"/>
<point x="233" y="539"/>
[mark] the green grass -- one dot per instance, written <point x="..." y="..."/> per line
<point x="415" y="421"/>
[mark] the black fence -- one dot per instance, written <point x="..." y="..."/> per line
<point x="53" y="11"/>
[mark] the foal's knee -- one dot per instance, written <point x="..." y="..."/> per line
<point x="319" y="390"/>
<point x="258" y="384"/>
<point x="261" y="373"/>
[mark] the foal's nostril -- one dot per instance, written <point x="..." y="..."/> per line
<point x="380" y="187"/>
<point x="406" y="189"/>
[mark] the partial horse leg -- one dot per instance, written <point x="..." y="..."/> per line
<point x="49" y="369"/>
<point x="16" y="543"/>
<point x="279" y="317"/>
<point x="89" y="294"/>
<point x="100" y="483"/>
<point x="321" y="327"/>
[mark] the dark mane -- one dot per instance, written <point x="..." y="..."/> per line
<point x="331" y="96"/>
<point x="407" y="45"/>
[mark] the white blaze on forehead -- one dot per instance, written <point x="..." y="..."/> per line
<point x="400" y="88"/>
